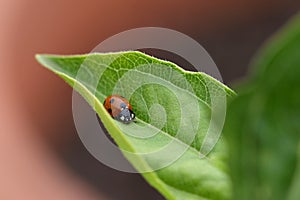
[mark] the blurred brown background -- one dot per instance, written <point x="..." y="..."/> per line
<point x="41" y="156"/>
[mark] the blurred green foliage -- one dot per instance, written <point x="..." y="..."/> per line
<point x="263" y="123"/>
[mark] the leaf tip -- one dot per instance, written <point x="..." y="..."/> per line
<point x="40" y="58"/>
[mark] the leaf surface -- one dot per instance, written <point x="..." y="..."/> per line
<point x="174" y="112"/>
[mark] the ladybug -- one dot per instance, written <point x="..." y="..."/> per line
<point x="119" y="108"/>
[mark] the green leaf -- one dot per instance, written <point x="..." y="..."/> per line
<point x="174" y="111"/>
<point x="262" y="126"/>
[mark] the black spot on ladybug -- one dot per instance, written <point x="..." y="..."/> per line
<point x="123" y="105"/>
<point x="112" y="101"/>
<point x="109" y="110"/>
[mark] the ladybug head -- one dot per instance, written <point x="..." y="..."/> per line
<point x="125" y="116"/>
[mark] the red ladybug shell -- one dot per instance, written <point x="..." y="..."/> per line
<point x="119" y="108"/>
